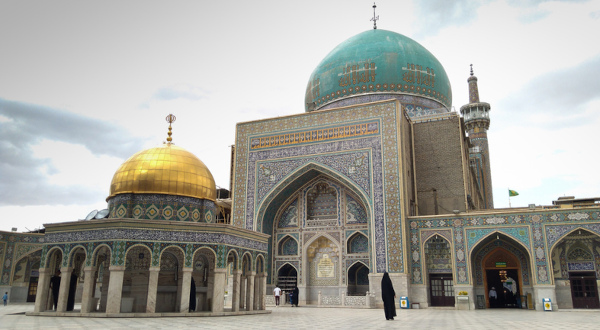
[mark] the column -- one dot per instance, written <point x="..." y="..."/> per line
<point x="104" y="290"/>
<point x="152" y="289"/>
<point x="235" y="298"/>
<point x="115" y="289"/>
<point x="63" y="292"/>
<point x="250" y="291"/>
<point x="242" y="292"/>
<point x="41" y="299"/>
<point x="257" y="290"/>
<point x="87" y="297"/>
<point x="218" y="299"/>
<point x="185" y="289"/>
<point x="263" y="291"/>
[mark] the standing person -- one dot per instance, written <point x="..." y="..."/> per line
<point x="493" y="297"/>
<point x="277" y="294"/>
<point x="388" y="295"/>
<point x="55" y="286"/>
<point x="5" y="298"/>
<point x="296" y="295"/>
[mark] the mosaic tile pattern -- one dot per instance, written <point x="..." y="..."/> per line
<point x="355" y="213"/>
<point x="14" y="246"/>
<point x="289" y="218"/>
<point x="537" y="232"/>
<point x="358" y="244"/>
<point x="250" y="183"/>
<point x="153" y="235"/>
<point x="318" y="135"/>
<point x="162" y="207"/>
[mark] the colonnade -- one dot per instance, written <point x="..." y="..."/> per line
<point x="248" y="290"/>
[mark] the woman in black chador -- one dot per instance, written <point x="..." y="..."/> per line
<point x="388" y="295"/>
<point x="295" y="296"/>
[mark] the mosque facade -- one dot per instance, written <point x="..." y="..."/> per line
<point x="378" y="174"/>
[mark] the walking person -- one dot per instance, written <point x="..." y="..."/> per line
<point x="493" y="297"/>
<point x="277" y="294"/>
<point x="5" y="298"/>
<point x="296" y="295"/>
<point x="388" y="295"/>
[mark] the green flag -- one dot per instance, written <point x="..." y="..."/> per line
<point x="512" y="193"/>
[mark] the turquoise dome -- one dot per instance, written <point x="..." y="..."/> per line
<point x="378" y="62"/>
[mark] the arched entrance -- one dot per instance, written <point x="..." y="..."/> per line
<point x="319" y="226"/>
<point x="287" y="278"/>
<point x="25" y="278"/>
<point x="168" y="293"/>
<point x="576" y="269"/>
<point x="203" y="275"/>
<point x="136" y="279"/>
<point x="358" y="279"/>
<point x="438" y="258"/>
<point x="501" y="263"/>
<point x="501" y="279"/>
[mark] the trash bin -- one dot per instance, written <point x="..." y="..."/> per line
<point x="547" y="304"/>
<point x="404" y="304"/>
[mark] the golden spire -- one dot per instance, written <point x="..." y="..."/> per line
<point x="170" y="119"/>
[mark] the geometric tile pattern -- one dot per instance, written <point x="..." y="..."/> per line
<point x="161" y="207"/>
<point x="367" y="162"/>
<point x="534" y="233"/>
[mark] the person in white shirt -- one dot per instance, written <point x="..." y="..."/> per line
<point x="277" y="294"/>
<point x="493" y="296"/>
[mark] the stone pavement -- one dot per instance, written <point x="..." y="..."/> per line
<point x="12" y="317"/>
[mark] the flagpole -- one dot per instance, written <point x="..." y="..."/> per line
<point x="509" y="206"/>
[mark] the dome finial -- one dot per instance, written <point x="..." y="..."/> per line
<point x="375" y="17"/>
<point x="170" y="119"/>
<point x="471" y="69"/>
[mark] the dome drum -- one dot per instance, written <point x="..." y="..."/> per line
<point x="162" y="207"/>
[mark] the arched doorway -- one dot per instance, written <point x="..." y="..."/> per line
<point x="358" y="279"/>
<point x="136" y="279"/>
<point x="25" y="278"/>
<point x="316" y="202"/>
<point x="502" y="279"/>
<point x="78" y="256"/>
<point x="502" y="263"/>
<point x="204" y="265"/>
<point x="287" y="278"/>
<point x="102" y="277"/>
<point x="169" y="280"/>
<point x="438" y="258"/>
<point x="576" y="269"/>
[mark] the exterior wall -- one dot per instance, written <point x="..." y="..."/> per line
<point x="535" y="232"/>
<point x="13" y="248"/>
<point x="439" y="165"/>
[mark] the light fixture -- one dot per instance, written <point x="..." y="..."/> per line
<point x="497" y="236"/>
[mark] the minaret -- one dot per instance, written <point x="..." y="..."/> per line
<point x="477" y="121"/>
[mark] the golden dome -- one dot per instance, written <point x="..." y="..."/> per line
<point x="166" y="169"/>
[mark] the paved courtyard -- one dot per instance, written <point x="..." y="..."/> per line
<point x="12" y="317"/>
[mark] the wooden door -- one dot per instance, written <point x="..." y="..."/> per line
<point x="584" y="291"/>
<point x="32" y="290"/>
<point x="441" y="289"/>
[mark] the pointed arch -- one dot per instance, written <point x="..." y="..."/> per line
<point x="288" y="246"/>
<point x="291" y="183"/>
<point x="495" y="240"/>
<point x="358" y="242"/>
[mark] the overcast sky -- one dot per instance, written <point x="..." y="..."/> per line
<point x="85" y="84"/>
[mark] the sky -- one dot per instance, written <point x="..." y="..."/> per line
<point x="86" y="84"/>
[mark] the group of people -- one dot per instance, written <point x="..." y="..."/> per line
<point x="294" y="295"/>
